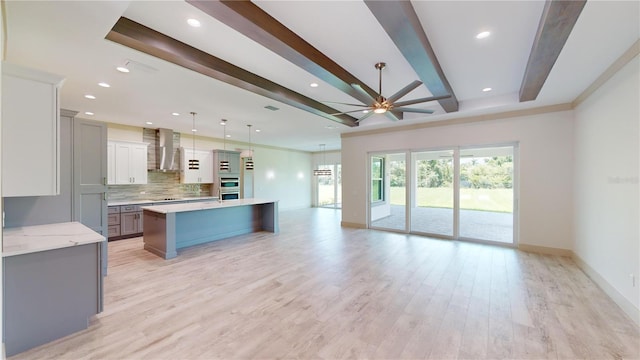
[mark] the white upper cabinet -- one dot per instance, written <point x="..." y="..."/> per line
<point x="111" y="163"/>
<point x="127" y="162"/>
<point x="203" y="175"/>
<point x="30" y="132"/>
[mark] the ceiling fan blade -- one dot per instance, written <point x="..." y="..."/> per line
<point x="394" y="115"/>
<point x="417" y="101"/>
<point x="348" y="112"/>
<point x="414" y="110"/>
<point x="341" y="103"/>
<point x="404" y="91"/>
<point x="365" y="116"/>
<point x="359" y="89"/>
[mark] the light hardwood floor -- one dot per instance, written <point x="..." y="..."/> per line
<point x="317" y="290"/>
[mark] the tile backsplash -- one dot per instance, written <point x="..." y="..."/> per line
<point x="160" y="185"/>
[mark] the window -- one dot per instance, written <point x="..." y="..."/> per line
<point x="377" y="179"/>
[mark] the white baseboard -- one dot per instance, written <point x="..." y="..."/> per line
<point x="628" y="307"/>
<point x="353" y="225"/>
<point x="545" y="250"/>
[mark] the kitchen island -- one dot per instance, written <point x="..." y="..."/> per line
<point x="168" y="228"/>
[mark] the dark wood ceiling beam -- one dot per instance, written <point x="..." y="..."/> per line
<point x="400" y="21"/>
<point x="253" y="22"/>
<point x="139" y="37"/>
<point x="556" y="23"/>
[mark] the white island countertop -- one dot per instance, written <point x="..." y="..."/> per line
<point x="194" y="206"/>
<point x="31" y="239"/>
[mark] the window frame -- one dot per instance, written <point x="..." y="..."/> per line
<point x="379" y="179"/>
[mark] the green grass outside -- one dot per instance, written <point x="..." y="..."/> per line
<point x="499" y="200"/>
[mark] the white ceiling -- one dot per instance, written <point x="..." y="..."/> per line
<point x="68" y="38"/>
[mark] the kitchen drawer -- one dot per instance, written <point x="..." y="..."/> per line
<point x="114" y="210"/>
<point x="130" y="208"/>
<point x="114" y="219"/>
<point x="114" y="230"/>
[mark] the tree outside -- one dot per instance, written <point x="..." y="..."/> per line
<point x="485" y="183"/>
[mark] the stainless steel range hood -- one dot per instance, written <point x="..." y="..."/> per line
<point x="165" y="151"/>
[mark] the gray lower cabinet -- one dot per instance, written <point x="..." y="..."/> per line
<point x="50" y="294"/>
<point x="130" y="220"/>
<point x="113" y="221"/>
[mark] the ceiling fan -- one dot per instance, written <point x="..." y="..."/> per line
<point x="382" y="105"/>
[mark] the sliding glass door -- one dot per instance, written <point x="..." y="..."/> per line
<point x="329" y="188"/>
<point x="486" y="194"/>
<point x="387" y="203"/>
<point x="432" y="195"/>
<point x="455" y="193"/>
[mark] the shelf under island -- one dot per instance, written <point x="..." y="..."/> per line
<point x="168" y="228"/>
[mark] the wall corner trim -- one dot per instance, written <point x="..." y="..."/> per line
<point x="627" y="307"/>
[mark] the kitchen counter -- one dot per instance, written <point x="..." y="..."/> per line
<point x="30" y="239"/>
<point x="52" y="279"/>
<point x="149" y="201"/>
<point x="175" y="208"/>
<point x="168" y="228"/>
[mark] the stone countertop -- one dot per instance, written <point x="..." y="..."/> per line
<point x="31" y="239"/>
<point x="194" y="206"/>
<point x="149" y="201"/>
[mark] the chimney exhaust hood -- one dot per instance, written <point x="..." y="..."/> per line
<point x="165" y="151"/>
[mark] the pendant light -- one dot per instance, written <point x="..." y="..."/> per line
<point x="248" y="164"/>
<point x="322" y="172"/>
<point x="194" y="164"/>
<point x="224" y="163"/>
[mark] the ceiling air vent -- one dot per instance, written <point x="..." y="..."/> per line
<point x="272" y="108"/>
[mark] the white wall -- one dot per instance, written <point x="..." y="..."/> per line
<point x="546" y="147"/>
<point x="279" y="174"/>
<point x="606" y="198"/>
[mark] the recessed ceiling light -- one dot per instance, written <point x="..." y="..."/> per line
<point x="258" y="130"/>
<point x="482" y="35"/>
<point x="104" y="84"/>
<point x="175" y="114"/>
<point x="149" y="123"/>
<point x="88" y="96"/>
<point x="365" y="111"/>
<point x="88" y="113"/>
<point x="194" y="130"/>
<point x="313" y="84"/>
<point x="228" y="135"/>
<point x="193" y="22"/>
<point x="122" y="69"/>
<point x="487" y="89"/>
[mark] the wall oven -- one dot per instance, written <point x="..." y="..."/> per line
<point x="229" y="188"/>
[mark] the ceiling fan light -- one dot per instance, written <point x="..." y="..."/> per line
<point x="380" y="110"/>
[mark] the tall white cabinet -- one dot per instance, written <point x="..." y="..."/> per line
<point x="203" y="175"/>
<point x="126" y="162"/>
<point x="30" y="132"/>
